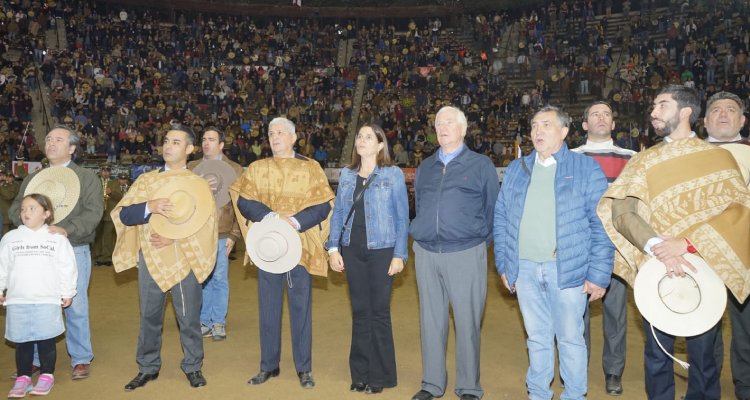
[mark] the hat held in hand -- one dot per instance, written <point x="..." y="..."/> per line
<point x="273" y="245"/>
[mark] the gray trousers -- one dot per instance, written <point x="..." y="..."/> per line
<point x="615" y="322"/>
<point x="186" y="298"/>
<point x="739" y="352"/>
<point x="457" y="280"/>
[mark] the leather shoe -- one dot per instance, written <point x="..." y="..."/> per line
<point x="467" y="396"/>
<point x="424" y="395"/>
<point x="306" y="380"/>
<point x="81" y="371"/>
<point x="373" y="389"/>
<point x="196" y="379"/>
<point x="140" y="380"/>
<point x="613" y="384"/>
<point x="358" y="387"/>
<point x="263" y="376"/>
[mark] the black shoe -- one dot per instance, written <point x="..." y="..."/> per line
<point x="373" y="389"/>
<point x="424" y="395"/>
<point x="358" y="387"/>
<point x="196" y="379"/>
<point x="306" y="380"/>
<point x="467" y="396"/>
<point x="613" y="384"/>
<point x="140" y="380"/>
<point x="263" y="376"/>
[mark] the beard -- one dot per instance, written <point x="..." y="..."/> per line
<point x="669" y="126"/>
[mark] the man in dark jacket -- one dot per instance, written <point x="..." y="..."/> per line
<point x="455" y="190"/>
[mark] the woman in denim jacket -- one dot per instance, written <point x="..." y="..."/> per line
<point x="371" y="243"/>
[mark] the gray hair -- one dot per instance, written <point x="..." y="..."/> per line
<point x="563" y="119"/>
<point x="289" y="125"/>
<point x="460" y="116"/>
<point x="74" y="139"/>
<point x="725" y="96"/>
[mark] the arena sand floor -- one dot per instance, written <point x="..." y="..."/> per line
<point x="229" y="364"/>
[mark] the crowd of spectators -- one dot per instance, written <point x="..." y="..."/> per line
<point x="127" y="74"/>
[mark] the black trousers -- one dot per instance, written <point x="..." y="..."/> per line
<point x="372" y="358"/>
<point x="25" y="356"/>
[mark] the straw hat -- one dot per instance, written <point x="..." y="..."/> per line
<point x="741" y="153"/>
<point x="61" y="185"/>
<point x="191" y="197"/>
<point x="224" y="176"/>
<point x="273" y="245"/>
<point x="686" y="306"/>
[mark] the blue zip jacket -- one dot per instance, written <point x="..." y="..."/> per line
<point x="386" y="210"/>
<point x="584" y="251"/>
<point x="454" y="202"/>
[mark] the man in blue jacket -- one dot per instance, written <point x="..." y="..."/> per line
<point x="552" y="251"/>
<point x="455" y="191"/>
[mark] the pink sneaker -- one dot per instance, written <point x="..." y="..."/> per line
<point x="43" y="385"/>
<point x="20" y="388"/>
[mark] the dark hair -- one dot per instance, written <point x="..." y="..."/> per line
<point x="725" y="96"/>
<point x="685" y="97"/>
<point x="222" y="136"/>
<point x="46" y="204"/>
<point x="384" y="156"/>
<point x="189" y="134"/>
<point x="596" y="103"/>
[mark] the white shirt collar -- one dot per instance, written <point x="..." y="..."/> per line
<point x="545" y="163"/>
<point x="714" y="140"/>
<point x="670" y="140"/>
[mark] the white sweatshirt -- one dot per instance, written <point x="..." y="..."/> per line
<point x="37" y="267"/>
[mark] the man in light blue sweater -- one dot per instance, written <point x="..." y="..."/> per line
<point x="551" y="249"/>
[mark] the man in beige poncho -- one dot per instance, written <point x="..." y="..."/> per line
<point x="166" y="265"/>
<point x="680" y="196"/>
<point x="295" y="189"/>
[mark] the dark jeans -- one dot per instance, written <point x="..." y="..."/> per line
<point x="372" y="358"/>
<point x="25" y="356"/>
<point x="703" y="374"/>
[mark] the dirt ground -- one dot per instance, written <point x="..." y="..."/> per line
<point x="229" y="364"/>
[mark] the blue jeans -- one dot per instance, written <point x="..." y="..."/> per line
<point x="542" y="302"/>
<point x="216" y="290"/>
<point x="78" y="333"/>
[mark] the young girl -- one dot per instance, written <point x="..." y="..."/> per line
<point x="38" y="270"/>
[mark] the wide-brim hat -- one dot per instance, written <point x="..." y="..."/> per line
<point x="680" y="306"/>
<point x="741" y="153"/>
<point x="273" y="245"/>
<point x="61" y="185"/>
<point x="224" y="176"/>
<point x="190" y="211"/>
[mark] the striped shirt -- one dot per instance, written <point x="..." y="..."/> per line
<point x="610" y="157"/>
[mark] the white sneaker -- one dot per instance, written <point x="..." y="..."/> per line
<point x="219" y="332"/>
<point x="206" y="331"/>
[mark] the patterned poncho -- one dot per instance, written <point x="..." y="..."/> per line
<point x="288" y="186"/>
<point x="170" y="264"/>
<point x="687" y="188"/>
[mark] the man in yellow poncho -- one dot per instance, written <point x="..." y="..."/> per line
<point x="165" y="265"/>
<point x="295" y="189"/>
<point x="680" y="196"/>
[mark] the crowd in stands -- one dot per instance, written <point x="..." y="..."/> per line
<point x="126" y="74"/>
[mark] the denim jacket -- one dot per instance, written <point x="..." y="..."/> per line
<point x="386" y="210"/>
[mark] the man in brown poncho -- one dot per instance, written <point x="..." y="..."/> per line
<point x="680" y="196"/>
<point x="166" y="265"/>
<point x="295" y="189"/>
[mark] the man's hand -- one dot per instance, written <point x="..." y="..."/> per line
<point x="504" y="278"/>
<point x="56" y="230"/>
<point x="229" y="246"/>
<point x="397" y="265"/>
<point x="335" y="261"/>
<point x="212" y="182"/>
<point x="288" y="220"/>
<point x="66" y="302"/>
<point x="160" y="206"/>
<point x="595" y="292"/>
<point x="676" y="266"/>
<point x="669" y="248"/>
<point x="159" y="241"/>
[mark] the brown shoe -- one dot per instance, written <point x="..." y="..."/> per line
<point x="81" y="371"/>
